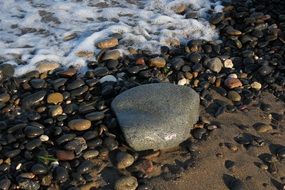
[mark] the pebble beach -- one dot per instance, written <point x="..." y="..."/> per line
<point x="146" y="95"/>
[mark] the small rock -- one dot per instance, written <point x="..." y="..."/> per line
<point x="44" y="138"/>
<point x="228" y="64"/>
<point x="108" y="78"/>
<point x="5" y="184"/>
<point x="60" y="174"/>
<point x="234" y="96"/>
<point x="216" y="18"/>
<point x="281" y="153"/>
<point x="199" y="133"/>
<point x="45" y="66"/>
<point x="7" y="70"/>
<point x="179" y="9"/>
<point x="4" y="97"/>
<point x="256" y="85"/>
<point x="33" y="99"/>
<point x="85" y="54"/>
<point x="183" y="82"/>
<point x="56" y="110"/>
<point x="70" y="72"/>
<point x="55" y="98"/>
<point x="39" y="169"/>
<point x="215" y="65"/>
<point x="32" y="131"/>
<point x="64" y="155"/>
<point x="85" y="167"/>
<point x="232" y="83"/>
<point x="90" y="154"/>
<point x="126" y="183"/>
<point x="158" y="62"/>
<point x="124" y="160"/>
<point x="109" y="43"/>
<point x="263" y="128"/>
<point x="79" y="124"/>
<point x="95" y="116"/>
<point x="111" y="55"/>
<point x="233" y="32"/>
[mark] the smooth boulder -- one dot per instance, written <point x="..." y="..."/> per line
<point x="156" y="116"/>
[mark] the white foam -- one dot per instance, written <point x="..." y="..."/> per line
<point x="143" y="24"/>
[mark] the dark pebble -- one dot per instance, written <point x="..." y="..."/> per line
<point x="32" y="131"/>
<point x="12" y="153"/>
<point x="27" y="184"/>
<point x="199" y="133"/>
<point x="95" y="116"/>
<point x="38" y="83"/>
<point x="33" y="99"/>
<point x="85" y="167"/>
<point x="31" y="145"/>
<point x="5" y="184"/>
<point x="75" y="84"/>
<point x="60" y="174"/>
<point x="110" y="143"/>
<point x="39" y="169"/>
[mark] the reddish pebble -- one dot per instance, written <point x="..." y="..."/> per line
<point x="232" y="83"/>
<point x="65" y="155"/>
<point x="140" y="61"/>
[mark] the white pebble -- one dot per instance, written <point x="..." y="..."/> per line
<point x="233" y="76"/>
<point x="256" y="85"/>
<point x="19" y="166"/>
<point x="228" y="63"/>
<point x="183" y="82"/>
<point x="44" y="138"/>
<point x="108" y="78"/>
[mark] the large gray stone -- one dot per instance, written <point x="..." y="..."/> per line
<point x="156" y="116"/>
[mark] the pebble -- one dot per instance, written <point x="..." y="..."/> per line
<point x="215" y="65"/>
<point x="90" y="154"/>
<point x="183" y="82"/>
<point x="60" y="174"/>
<point x="33" y="99"/>
<point x="64" y="155"/>
<point x="158" y="62"/>
<point x="199" y="133"/>
<point x="228" y="63"/>
<point x="126" y="183"/>
<point x="232" y="83"/>
<point x="5" y="184"/>
<point x="111" y="55"/>
<point x="109" y="43"/>
<point x="256" y="85"/>
<point x="281" y="153"/>
<point x="124" y="160"/>
<point x="79" y="124"/>
<point x="37" y="83"/>
<point x="263" y="128"/>
<point x="234" y="96"/>
<point x="44" y="138"/>
<point x="45" y="66"/>
<point x="95" y="116"/>
<point x="55" y="98"/>
<point x="39" y="169"/>
<point x="108" y="78"/>
<point x="85" y="167"/>
<point x="233" y="32"/>
<point x="56" y="110"/>
<point x="32" y="131"/>
<point x="70" y="72"/>
<point x="4" y="97"/>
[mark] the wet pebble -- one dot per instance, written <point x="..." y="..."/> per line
<point x="158" y="62"/>
<point x="65" y="155"/>
<point x="124" y="160"/>
<point x="199" y="133"/>
<point x="95" y="116"/>
<point x="39" y="169"/>
<point x="126" y="183"/>
<point x="263" y="128"/>
<point x="85" y="167"/>
<point x="215" y="65"/>
<point x="60" y="174"/>
<point x="32" y="131"/>
<point x="234" y="96"/>
<point x="5" y="184"/>
<point x="79" y="124"/>
<point x="4" y="97"/>
<point x="55" y="98"/>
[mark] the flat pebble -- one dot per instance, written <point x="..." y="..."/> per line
<point x="126" y="183"/>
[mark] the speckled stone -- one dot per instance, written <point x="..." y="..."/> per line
<point x="156" y="116"/>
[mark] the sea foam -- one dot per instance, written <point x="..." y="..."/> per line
<point x="33" y="31"/>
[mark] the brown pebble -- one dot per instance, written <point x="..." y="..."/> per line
<point x="55" y="98"/>
<point x="109" y="43"/>
<point x="65" y="155"/>
<point x="79" y="124"/>
<point x="158" y="62"/>
<point x="232" y="83"/>
<point x="68" y="73"/>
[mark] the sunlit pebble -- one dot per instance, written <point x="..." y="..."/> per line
<point x="270" y="116"/>
<point x="233" y="76"/>
<point x="68" y="102"/>
<point x="108" y="78"/>
<point x="183" y="82"/>
<point x="256" y="57"/>
<point x="19" y="166"/>
<point x="44" y="138"/>
<point x="54" y="164"/>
